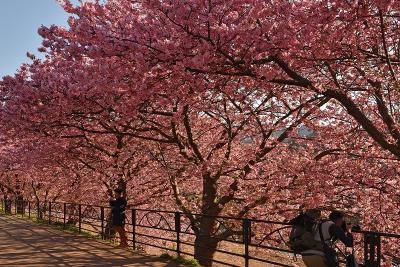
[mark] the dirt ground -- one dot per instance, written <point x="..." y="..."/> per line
<point x="24" y="243"/>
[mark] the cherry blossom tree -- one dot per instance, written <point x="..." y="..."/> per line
<point x="214" y="94"/>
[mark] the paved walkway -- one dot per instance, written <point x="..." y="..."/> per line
<point x="24" y="243"/>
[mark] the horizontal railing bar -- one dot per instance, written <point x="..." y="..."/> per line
<point x="377" y="233"/>
<point x="268" y="261"/>
<point x="271" y="248"/>
<point x="215" y="238"/>
<point x="207" y="215"/>
<point x="157" y="237"/>
<point x="173" y="212"/>
<point x="152" y="227"/>
<point x="217" y="250"/>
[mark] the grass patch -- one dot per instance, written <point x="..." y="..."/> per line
<point x="181" y="260"/>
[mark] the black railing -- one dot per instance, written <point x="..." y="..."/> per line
<point x="241" y="241"/>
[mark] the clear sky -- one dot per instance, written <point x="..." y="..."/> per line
<point x="19" y="21"/>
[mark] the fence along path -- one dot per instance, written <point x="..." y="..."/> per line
<point x="252" y="243"/>
<point x="24" y="243"/>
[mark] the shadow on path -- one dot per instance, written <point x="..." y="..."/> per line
<point x="24" y="243"/>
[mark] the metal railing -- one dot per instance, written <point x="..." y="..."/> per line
<point x="240" y="241"/>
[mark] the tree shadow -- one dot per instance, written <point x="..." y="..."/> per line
<point x="23" y="243"/>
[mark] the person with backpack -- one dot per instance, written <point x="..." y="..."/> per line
<point x="304" y="227"/>
<point x="118" y="207"/>
<point x="323" y="253"/>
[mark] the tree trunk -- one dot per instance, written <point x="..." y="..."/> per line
<point x="7" y="205"/>
<point x="41" y="210"/>
<point x="19" y="202"/>
<point x="205" y="243"/>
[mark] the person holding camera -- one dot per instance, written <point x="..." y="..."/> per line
<point x="328" y="232"/>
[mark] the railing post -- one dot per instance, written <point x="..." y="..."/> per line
<point x="49" y="212"/>
<point x="133" y="229"/>
<point x="37" y="211"/>
<point x="2" y="205"/>
<point x="246" y="241"/>
<point x="23" y="208"/>
<point x="378" y="250"/>
<point x="80" y="217"/>
<point x="102" y="222"/>
<point x="178" y="230"/>
<point x="372" y="250"/>
<point x="15" y="206"/>
<point x="29" y="209"/>
<point x="65" y="215"/>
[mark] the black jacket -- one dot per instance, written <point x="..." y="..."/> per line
<point x="118" y="207"/>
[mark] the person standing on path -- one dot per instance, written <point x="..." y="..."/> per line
<point x="118" y="207"/>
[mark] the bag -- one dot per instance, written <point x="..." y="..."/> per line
<point x="330" y="253"/>
<point x="301" y="236"/>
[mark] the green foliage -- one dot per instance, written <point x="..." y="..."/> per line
<point x="181" y="260"/>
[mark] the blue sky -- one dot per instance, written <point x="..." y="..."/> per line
<point x="19" y="21"/>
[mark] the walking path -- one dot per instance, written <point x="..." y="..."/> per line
<point x="24" y="243"/>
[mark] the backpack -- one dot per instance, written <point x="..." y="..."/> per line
<point x="301" y="236"/>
